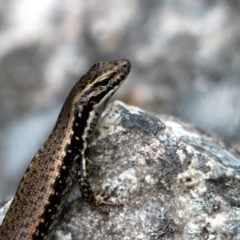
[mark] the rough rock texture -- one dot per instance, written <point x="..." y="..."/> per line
<point x="175" y="182"/>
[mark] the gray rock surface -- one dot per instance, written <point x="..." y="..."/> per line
<point x="175" y="182"/>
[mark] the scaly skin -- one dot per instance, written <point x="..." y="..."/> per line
<point x="44" y="187"/>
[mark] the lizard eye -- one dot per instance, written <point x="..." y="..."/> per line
<point x="105" y="82"/>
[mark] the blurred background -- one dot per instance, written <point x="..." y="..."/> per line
<point x="185" y="59"/>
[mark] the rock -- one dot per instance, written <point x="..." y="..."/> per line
<point x="175" y="181"/>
